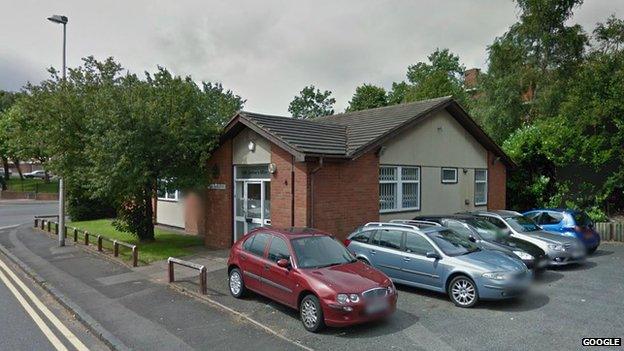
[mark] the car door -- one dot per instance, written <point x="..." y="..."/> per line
<point x="386" y="253"/>
<point x="279" y="282"/>
<point x="252" y="261"/>
<point x="416" y="266"/>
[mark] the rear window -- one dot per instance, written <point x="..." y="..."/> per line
<point x="388" y="238"/>
<point x="257" y="243"/>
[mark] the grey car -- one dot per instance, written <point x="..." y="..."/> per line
<point x="560" y="250"/>
<point x="437" y="258"/>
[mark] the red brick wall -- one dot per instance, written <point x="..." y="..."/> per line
<point x="346" y="194"/>
<point x="219" y="217"/>
<point x="282" y="190"/>
<point x="497" y="183"/>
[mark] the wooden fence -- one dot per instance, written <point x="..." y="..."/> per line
<point x="610" y="231"/>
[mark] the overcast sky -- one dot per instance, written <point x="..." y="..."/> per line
<point x="265" y="51"/>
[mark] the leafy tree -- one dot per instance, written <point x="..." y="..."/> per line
<point x="311" y="102"/>
<point x="7" y="99"/>
<point x="398" y="93"/>
<point x="443" y="75"/>
<point x="367" y="96"/>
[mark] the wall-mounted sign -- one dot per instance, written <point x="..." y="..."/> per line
<point x="252" y="172"/>
<point x="216" y="186"/>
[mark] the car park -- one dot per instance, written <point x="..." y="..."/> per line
<point x="312" y="272"/>
<point x="489" y="237"/>
<point x="561" y="250"/>
<point x="567" y="222"/>
<point x="436" y="258"/>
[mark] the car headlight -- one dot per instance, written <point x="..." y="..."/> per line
<point x="345" y="298"/>
<point x="556" y="247"/>
<point x="523" y="255"/>
<point x="495" y="276"/>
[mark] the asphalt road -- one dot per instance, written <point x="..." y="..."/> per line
<point x="30" y="318"/>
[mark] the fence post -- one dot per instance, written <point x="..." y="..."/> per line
<point x="99" y="242"/>
<point x="86" y="238"/>
<point x="135" y="256"/>
<point x="75" y="235"/>
<point x="36" y="222"/>
<point x="115" y="248"/>
<point x="171" y="277"/>
<point x="42" y="224"/>
<point x="202" y="281"/>
<point x="49" y="230"/>
<point x="56" y="228"/>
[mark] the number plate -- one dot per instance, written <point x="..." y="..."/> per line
<point x="376" y="306"/>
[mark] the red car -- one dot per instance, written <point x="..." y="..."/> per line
<point x="310" y="271"/>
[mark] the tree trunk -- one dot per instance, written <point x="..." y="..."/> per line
<point x="16" y="162"/>
<point x="148" y="234"/>
<point x="5" y="164"/>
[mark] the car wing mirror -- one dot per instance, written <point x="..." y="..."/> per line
<point x="284" y="263"/>
<point x="472" y="238"/>
<point x="433" y="255"/>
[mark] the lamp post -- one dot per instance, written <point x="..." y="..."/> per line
<point x="61" y="222"/>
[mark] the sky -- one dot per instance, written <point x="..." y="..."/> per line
<point x="264" y="50"/>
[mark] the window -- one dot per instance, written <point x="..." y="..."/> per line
<point x="362" y="236"/>
<point x="459" y="228"/>
<point x="480" y="191"/>
<point x="549" y="218"/>
<point x="417" y="244"/>
<point x="388" y="238"/>
<point x="449" y="175"/>
<point x="278" y="250"/>
<point x="399" y="188"/>
<point x="258" y="244"/>
<point x="164" y="193"/>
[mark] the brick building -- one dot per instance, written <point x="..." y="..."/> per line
<point x="338" y="172"/>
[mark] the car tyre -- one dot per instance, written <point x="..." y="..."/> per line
<point x="236" y="284"/>
<point x="463" y="292"/>
<point x="311" y="314"/>
<point x="592" y="250"/>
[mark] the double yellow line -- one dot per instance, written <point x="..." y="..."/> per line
<point x="21" y="298"/>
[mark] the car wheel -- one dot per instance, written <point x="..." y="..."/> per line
<point x="363" y="260"/>
<point x="463" y="292"/>
<point x="592" y="250"/>
<point x="235" y="281"/>
<point x="311" y="314"/>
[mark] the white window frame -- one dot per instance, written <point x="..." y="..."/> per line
<point x="168" y="197"/>
<point x="398" y="201"/>
<point x="445" y="181"/>
<point x="480" y="182"/>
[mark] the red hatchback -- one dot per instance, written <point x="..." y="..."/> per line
<point x="310" y="271"/>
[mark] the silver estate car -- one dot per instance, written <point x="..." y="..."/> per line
<point x="437" y="258"/>
<point x="561" y="250"/>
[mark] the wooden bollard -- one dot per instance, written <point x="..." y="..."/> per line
<point x="135" y="256"/>
<point x="56" y="228"/>
<point x="42" y="224"/>
<point x="86" y="238"/>
<point x="171" y="276"/>
<point x="49" y="230"/>
<point x="203" y="287"/>
<point x="75" y="235"/>
<point x="115" y="248"/>
<point x="36" y="222"/>
<point x="99" y="242"/>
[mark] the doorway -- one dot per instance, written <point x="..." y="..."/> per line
<point x="252" y="199"/>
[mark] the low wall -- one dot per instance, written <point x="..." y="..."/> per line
<point x="18" y="195"/>
<point x="610" y="231"/>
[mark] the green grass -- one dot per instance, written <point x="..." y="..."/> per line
<point x="32" y="185"/>
<point x="167" y="243"/>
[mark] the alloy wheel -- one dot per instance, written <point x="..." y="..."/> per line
<point x="463" y="292"/>
<point x="309" y="314"/>
<point x="235" y="283"/>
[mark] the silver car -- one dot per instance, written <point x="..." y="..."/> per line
<point x="560" y="250"/>
<point x="437" y="258"/>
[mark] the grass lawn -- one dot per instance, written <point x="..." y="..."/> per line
<point x="167" y="243"/>
<point x="33" y="185"/>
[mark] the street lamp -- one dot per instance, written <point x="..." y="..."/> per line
<point x="61" y="223"/>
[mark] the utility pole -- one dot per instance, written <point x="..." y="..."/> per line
<point x="61" y="220"/>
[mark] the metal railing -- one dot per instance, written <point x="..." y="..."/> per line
<point x="203" y="289"/>
<point x="43" y="224"/>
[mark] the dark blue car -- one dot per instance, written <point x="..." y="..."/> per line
<point x="567" y="222"/>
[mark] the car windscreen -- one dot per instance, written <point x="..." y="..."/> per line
<point x="582" y="219"/>
<point x="320" y="251"/>
<point x="452" y="243"/>
<point x="487" y="230"/>
<point x="522" y="224"/>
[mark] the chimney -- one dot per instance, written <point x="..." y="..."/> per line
<point x="470" y="78"/>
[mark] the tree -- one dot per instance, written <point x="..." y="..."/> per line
<point x="7" y="99"/>
<point x="398" y="93"/>
<point x="367" y="96"/>
<point x="311" y="102"/>
<point x="442" y="76"/>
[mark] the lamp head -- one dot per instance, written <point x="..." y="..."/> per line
<point x="58" y="19"/>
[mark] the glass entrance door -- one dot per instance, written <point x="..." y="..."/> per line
<point x="252" y="205"/>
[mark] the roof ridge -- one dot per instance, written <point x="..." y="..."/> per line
<point x="304" y="120"/>
<point x="383" y="107"/>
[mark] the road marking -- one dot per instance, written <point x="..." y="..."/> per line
<point x="10" y="226"/>
<point x="35" y="317"/>
<point x="53" y="319"/>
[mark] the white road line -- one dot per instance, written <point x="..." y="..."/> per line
<point x="35" y="317"/>
<point x="46" y="312"/>
<point x="10" y="226"/>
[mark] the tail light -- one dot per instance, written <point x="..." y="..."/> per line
<point x="346" y="242"/>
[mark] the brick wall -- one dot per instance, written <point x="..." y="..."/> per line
<point x="282" y="190"/>
<point x="218" y="210"/>
<point x="497" y="183"/>
<point x="346" y="194"/>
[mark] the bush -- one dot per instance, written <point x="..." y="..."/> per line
<point x="81" y="207"/>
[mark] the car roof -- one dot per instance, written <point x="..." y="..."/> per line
<point x="566" y="210"/>
<point x="390" y="225"/>
<point x="293" y="231"/>
<point x="501" y="213"/>
<point x="450" y="216"/>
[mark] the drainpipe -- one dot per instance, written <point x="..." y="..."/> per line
<point x="292" y="191"/>
<point x="318" y="168"/>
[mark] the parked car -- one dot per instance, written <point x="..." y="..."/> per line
<point x="568" y="222"/>
<point x="489" y="237"/>
<point x="561" y="250"/>
<point x="309" y="270"/>
<point x="2" y="172"/>
<point x="35" y="174"/>
<point x="437" y="258"/>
